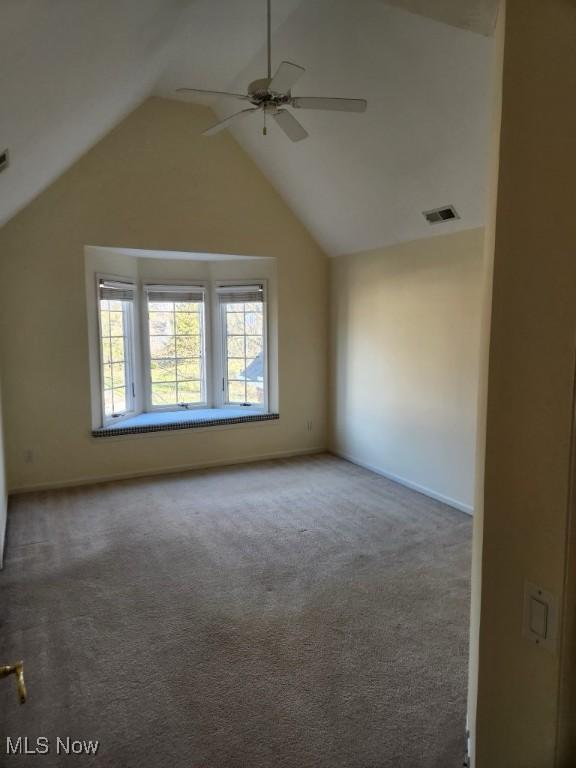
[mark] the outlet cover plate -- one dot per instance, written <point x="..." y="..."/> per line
<point x="540" y="617"/>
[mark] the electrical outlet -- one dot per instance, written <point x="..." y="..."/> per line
<point x="309" y="425"/>
<point x="28" y="456"/>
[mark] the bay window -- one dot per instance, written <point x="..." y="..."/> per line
<point x="176" y="348"/>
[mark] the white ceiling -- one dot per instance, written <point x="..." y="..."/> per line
<point x="476" y="15"/>
<point x="71" y="70"/>
<point x="362" y="181"/>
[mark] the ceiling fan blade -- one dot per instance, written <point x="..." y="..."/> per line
<point x="319" y="102"/>
<point x="286" y="75"/>
<point x="290" y="125"/>
<point x="201" y="91"/>
<point x="228" y="121"/>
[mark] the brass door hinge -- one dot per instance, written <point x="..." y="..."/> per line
<point x="17" y="670"/>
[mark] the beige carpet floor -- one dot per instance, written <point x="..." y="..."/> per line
<point x="302" y="613"/>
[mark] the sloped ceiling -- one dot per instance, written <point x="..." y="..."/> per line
<point x="362" y="181"/>
<point x="71" y="70"/>
<point x="476" y="15"/>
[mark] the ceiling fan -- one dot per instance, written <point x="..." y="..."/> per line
<point x="273" y="94"/>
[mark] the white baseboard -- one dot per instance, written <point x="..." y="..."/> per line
<point x="469" y="510"/>
<point x="95" y="479"/>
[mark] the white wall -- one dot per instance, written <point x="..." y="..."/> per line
<point x="405" y="354"/>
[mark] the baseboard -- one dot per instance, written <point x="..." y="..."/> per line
<point x="469" y="510"/>
<point x="94" y="480"/>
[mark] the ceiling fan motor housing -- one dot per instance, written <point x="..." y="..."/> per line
<point x="260" y="95"/>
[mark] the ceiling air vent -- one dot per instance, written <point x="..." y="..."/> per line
<point x="438" y="215"/>
<point x="3" y="160"/>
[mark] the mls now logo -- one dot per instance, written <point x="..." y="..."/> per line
<point x="42" y="746"/>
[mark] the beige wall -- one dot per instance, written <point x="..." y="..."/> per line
<point x="152" y="183"/>
<point x="530" y="388"/>
<point x="405" y="348"/>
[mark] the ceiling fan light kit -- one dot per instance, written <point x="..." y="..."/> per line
<point x="271" y="95"/>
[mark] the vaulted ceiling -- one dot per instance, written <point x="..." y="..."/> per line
<point x="71" y="71"/>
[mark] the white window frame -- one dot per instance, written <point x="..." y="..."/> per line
<point x="147" y="357"/>
<point x="138" y="372"/>
<point x="130" y="360"/>
<point x="219" y="319"/>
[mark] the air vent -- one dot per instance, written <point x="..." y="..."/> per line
<point x="438" y="215"/>
<point x="3" y="160"/>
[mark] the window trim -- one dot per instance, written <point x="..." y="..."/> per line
<point x="131" y="368"/>
<point x="139" y="349"/>
<point x="147" y="356"/>
<point x="222" y="378"/>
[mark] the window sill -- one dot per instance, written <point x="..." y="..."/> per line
<point x="170" y="420"/>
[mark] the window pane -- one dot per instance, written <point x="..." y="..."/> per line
<point x="162" y="346"/>
<point x="235" y="321"/>
<point x="188" y="306"/>
<point x="106" y="350"/>
<point x="235" y="346"/>
<point x="255" y="369"/>
<point x="163" y="370"/>
<point x="117" y="349"/>
<point x="187" y="323"/>
<point x="105" y="322"/>
<point x="107" y="371"/>
<point x="164" y="394"/>
<point x="254" y="322"/>
<point x="236" y="368"/>
<point x="176" y="351"/>
<point x="253" y="346"/>
<point x="116" y="323"/>
<point x="159" y="306"/>
<point x="236" y="392"/>
<point x="118" y="375"/>
<point x="255" y="392"/>
<point x="161" y="323"/>
<point x="119" y="398"/>
<point x="189" y="369"/>
<point x="188" y="346"/>
<point x="190" y="392"/>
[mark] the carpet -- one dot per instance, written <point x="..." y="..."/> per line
<point x="301" y="613"/>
